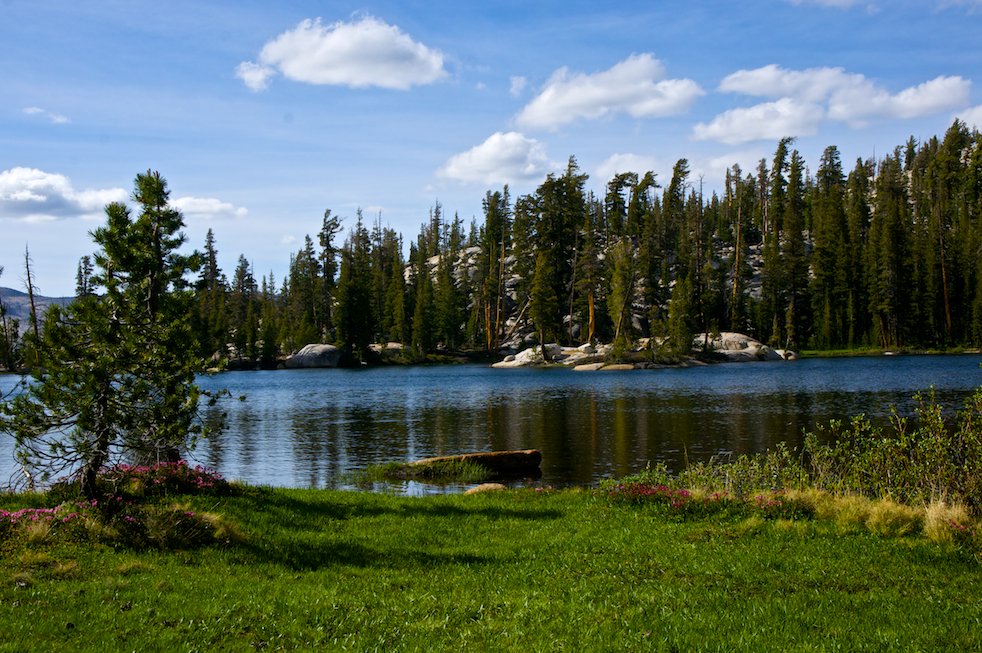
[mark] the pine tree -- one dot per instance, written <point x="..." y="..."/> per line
<point x="794" y="259"/>
<point x="423" y="312"/>
<point x="680" y="319"/>
<point x="623" y="276"/>
<point x="858" y="215"/>
<point x="773" y="304"/>
<point x="543" y="303"/>
<point x="355" y="323"/>
<point x="327" y="259"/>
<point x="496" y="237"/>
<point x="888" y="257"/>
<point x="210" y="320"/>
<point x="117" y="374"/>
<point x="83" y="276"/>
<point x="588" y="275"/>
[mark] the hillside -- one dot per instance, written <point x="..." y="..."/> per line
<point x="19" y="306"/>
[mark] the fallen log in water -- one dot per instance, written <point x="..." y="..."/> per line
<point x="503" y="463"/>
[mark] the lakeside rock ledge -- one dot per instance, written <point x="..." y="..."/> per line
<point x="728" y="345"/>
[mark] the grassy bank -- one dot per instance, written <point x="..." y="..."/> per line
<point x="520" y="570"/>
<point x="870" y="542"/>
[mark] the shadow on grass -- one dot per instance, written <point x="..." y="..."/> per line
<point x="286" y="511"/>
<point x="301" y="556"/>
<point x="296" y="531"/>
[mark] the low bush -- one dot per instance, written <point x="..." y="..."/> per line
<point x="130" y="513"/>
<point x="915" y="461"/>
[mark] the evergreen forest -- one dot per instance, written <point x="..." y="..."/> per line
<point x="880" y="254"/>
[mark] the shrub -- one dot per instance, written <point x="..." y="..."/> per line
<point x="745" y="475"/>
<point x="161" y="479"/>
<point x="915" y="461"/>
<point x="118" y="522"/>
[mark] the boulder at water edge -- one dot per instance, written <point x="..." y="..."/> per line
<point x="486" y="487"/>
<point x="739" y="347"/>
<point x="314" y="356"/>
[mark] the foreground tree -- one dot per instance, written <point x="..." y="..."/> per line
<point x="116" y="373"/>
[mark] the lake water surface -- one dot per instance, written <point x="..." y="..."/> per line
<point x="312" y="428"/>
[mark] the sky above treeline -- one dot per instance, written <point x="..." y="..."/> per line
<point x="262" y="115"/>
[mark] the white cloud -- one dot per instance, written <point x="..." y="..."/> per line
<point x="518" y="84"/>
<point x="803" y="99"/>
<point x="619" y="162"/>
<point x="367" y="52"/>
<point x="505" y="157"/>
<point x="207" y="208"/>
<point x="855" y="103"/>
<point x="770" y="120"/>
<point x="772" y="81"/>
<point x="34" y="195"/>
<point x="55" y="118"/>
<point x="254" y="75"/>
<point x="634" y="86"/>
<point x="972" y="117"/>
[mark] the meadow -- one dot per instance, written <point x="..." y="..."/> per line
<point x="523" y="570"/>
<point x="871" y="543"/>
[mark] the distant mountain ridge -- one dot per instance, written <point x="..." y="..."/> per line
<point x="18" y="304"/>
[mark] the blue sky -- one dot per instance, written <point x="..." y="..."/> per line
<point x="261" y="115"/>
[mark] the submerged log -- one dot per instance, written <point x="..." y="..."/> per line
<point x="498" y="462"/>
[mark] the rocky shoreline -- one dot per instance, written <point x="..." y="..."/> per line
<point x="727" y="346"/>
<point x="721" y="347"/>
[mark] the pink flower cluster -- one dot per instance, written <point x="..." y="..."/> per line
<point x="644" y="492"/>
<point x="170" y="476"/>
<point x="63" y="513"/>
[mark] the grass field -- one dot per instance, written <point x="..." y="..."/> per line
<point x="520" y="570"/>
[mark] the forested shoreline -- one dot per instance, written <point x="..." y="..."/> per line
<point x="884" y="254"/>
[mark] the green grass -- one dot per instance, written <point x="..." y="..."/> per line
<point x="512" y="571"/>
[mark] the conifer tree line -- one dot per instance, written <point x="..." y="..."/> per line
<point x="882" y="254"/>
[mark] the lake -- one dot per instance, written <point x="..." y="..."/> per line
<point x="312" y="428"/>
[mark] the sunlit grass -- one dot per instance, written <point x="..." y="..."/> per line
<point x="518" y="570"/>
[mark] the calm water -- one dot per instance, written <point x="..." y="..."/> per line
<point x="310" y="428"/>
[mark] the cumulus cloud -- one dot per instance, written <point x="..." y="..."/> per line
<point x="803" y="99"/>
<point x="254" y="75"/>
<point x="855" y="103"/>
<point x="518" y="84"/>
<point x="34" y="195"/>
<point x="625" y="162"/>
<point x="634" y="86"/>
<point x="50" y="116"/>
<point x="770" y="120"/>
<point x="972" y="117"/>
<point x="505" y="157"/>
<point x="773" y="81"/>
<point x="207" y="208"/>
<point x="363" y="53"/>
